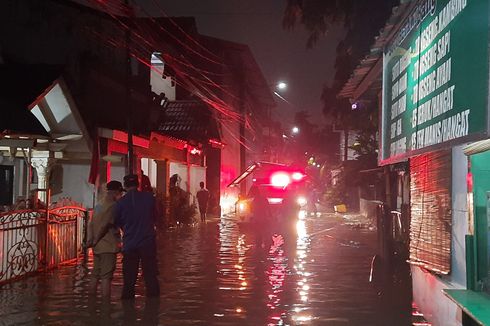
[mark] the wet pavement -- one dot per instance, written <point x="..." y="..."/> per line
<point x="315" y="272"/>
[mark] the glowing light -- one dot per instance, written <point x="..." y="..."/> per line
<point x="244" y="283"/>
<point x="306" y="287"/>
<point x="297" y="176"/>
<point x="302" y="215"/>
<point x="280" y="179"/>
<point x="301" y="229"/>
<point x="275" y="200"/>
<point x="242" y="207"/>
<point x="301" y="201"/>
<point x="238" y="310"/>
<point x="216" y="143"/>
<point x="282" y="85"/>
<point x="295" y="130"/>
<point x="303" y="318"/>
<point x="227" y="203"/>
<point x="195" y="151"/>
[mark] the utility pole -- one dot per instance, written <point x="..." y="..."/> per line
<point x="129" y="111"/>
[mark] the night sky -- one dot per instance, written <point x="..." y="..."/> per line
<point x="281" y="54"/>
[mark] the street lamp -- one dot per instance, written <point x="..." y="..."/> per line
<point x="281" y="85"/>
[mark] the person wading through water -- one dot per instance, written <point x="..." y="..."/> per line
<point x="135" y="214"/>
<point x="104" y="239"/>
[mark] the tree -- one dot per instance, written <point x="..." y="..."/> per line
<point x="362" y="21"/>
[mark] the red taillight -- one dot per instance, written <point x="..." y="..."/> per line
<point x="280" y="179"/>
<point x="297" y="176"/>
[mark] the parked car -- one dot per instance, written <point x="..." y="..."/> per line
<point x="282" y="185"/>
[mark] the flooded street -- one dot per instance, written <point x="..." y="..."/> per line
<point x="314" y="273"/>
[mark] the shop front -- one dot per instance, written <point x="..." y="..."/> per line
<point x="435" y="103"/>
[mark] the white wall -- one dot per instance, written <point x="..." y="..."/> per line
<point x="198" y="174"/>
<point x="118" y="171"/>
<point x="427" y="288"/>
<point x="436" y="307"/>
<point x="149" y="167"/>
<point x="160" y="84"/>
<point x="181" y="170"/>
<point x="75" y="184"/>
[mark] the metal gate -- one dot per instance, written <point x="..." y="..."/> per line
<point x="35" y="240"/>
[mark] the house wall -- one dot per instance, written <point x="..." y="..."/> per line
<point x="181" y="170"/>
<point x="149" y="167"/>
<point x="230" y="166"/>
<point x="213" y="172"/>
<point x="198" y="174"/>
<point x="160" y="84"/>
<point x="72" y="181"/>
<point x="427" y="288"/>
<point x="118" y="171"/>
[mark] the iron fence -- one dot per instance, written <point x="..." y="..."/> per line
<point x="35" y="240"/>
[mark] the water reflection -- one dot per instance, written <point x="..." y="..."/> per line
<point x="276" y="275"/>
<point x="216" y="274"/>
<point x="302" y="249"/>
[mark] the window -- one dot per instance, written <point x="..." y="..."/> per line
<point x="6" y="184"/>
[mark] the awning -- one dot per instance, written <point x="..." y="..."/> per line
<point x="244" y="175"/>
<point x="477" y="147"/>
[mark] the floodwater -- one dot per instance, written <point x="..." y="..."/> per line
<point x="315" y="272"/>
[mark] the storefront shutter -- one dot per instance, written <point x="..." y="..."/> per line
<point x="430" y="226"/>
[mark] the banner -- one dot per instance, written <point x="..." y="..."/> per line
<point x="435" y="79"/>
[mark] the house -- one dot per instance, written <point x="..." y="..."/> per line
<point x="433" y="104"/>
<point x="164" y="78"/>
<point x="40" y="126"/>
<point x="248" y="95"/>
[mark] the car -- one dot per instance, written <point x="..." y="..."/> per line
<point x="282" y="185"/>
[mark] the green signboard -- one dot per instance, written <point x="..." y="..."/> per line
<point x="435" y="79"/>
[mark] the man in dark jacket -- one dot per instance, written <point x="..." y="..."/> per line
<point x="135" y="215"/>
<point x="202" y="199"/>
